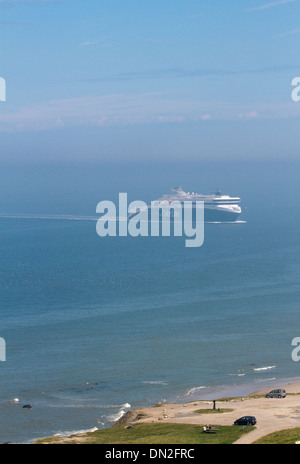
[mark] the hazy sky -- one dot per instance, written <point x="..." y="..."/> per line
<point x="149" y="79"/>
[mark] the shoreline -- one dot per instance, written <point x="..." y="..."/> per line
<point x="272" y="414"/>
<point x="238" y="390"/>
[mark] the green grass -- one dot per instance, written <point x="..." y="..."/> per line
<point x="283" y="437"/>
<point x="160" y="434"/>
<point x="212" y="411"/>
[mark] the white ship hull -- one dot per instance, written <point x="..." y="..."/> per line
<point x="217" y="207"/>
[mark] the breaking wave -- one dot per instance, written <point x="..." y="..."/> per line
<point x="194" y="390"/>
<point x="259" y="369"/>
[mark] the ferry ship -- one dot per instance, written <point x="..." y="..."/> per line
<point x="217" y="207"/>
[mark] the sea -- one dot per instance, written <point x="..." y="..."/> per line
<point x="96" y="326"/>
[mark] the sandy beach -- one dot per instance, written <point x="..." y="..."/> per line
<point x="272" y="414"/>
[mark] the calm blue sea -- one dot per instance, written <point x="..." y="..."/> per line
<point x="96" y="326"/>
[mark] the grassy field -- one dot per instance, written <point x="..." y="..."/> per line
<point x="283" y="437"/>
<point x="212" y="411"/>
<point x="156" y="434"/>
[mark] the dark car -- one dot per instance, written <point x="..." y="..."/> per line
<point x="245" y="420"/>
<point x="276" y="394"/>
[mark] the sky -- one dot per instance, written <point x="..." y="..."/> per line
<point x="137" y="96"/>
<point x="140" y="79"/>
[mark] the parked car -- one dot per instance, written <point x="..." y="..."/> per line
<point x="276" y="394"/>
<point x="245" y="420"/>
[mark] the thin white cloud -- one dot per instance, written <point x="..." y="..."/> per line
<point x="292" y="32"/>
<point x="265" y="6"/>
<point x="135" y="109"/>
<point x="103" y="41"/>
<point x="88" y="43"/>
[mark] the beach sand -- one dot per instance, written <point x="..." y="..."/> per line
<point x="272" y="414"/>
